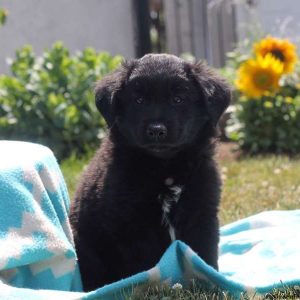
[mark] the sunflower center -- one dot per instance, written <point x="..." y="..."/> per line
<point x="262" y="80"/>
<point x="278" y="54"/>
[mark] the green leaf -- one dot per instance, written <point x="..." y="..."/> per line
<point x="3" y="16"/>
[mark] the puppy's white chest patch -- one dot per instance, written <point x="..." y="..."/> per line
<point x="168" y="200"/>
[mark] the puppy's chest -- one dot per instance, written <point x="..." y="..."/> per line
<point x="169" y="197"/>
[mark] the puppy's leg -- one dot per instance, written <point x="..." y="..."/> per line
<point x="91" y="267"/>
<point x="98" y="265"/>
<point x="201" y="233"/>
<point x="196" y="214"/>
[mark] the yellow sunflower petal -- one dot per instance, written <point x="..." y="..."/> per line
<point x="260" y="76"/>
<point x="282" y="49"/>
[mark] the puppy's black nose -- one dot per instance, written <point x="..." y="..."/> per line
<point x="157" y="131"/>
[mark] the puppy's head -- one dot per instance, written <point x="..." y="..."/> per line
<point x="161" y="103"/>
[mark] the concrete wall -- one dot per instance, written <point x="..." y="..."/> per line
<point x="102" y="24"/>
<point x="277" y="17"/>
<point x="282" y="17"/>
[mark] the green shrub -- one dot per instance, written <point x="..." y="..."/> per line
<point x="268" y="124"/>
<point x="49" y="99"/>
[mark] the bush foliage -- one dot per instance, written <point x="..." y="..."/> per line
<point x="49" y="99"/>
<point x="269" y="124"/>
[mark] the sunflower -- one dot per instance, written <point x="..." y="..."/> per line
<point x="283" y="50"/>
<point x="260" y="76"/>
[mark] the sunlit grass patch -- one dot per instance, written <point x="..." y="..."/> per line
<point x="255" y="184"/>
<point x="72" y="169"/>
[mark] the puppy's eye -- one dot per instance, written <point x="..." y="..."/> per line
<point x="139" y="100"/>
<point x="177" y="100"/>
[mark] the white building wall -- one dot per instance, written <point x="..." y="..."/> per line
<point x="102" y="24"/>
<point x="277" y="17"/>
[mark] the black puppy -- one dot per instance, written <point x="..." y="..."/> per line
<point x="154" y="179"/>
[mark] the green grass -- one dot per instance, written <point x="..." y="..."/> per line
<point x="164" y="292"/>
<point x="168" y="293"/>
<point x="250" y="185"/>
<point x="256" y="184"/>
<point x="72" y="168"/>
<point x="194" y="293"/>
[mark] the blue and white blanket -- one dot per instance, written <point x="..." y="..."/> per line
<point x="38" y="260"/>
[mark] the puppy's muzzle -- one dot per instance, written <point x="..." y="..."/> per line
<point x="156" y="131"/>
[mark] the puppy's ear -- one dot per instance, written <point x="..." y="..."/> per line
<point x="214" y="89"/>
<point x="107" y="89"/>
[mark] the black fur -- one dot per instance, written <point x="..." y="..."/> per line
<point x="117" y="210"/>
